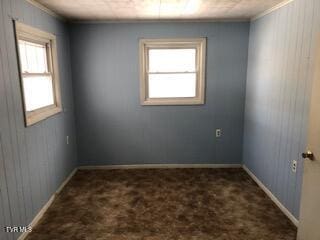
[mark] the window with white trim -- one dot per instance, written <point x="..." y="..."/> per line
<point x="172" y="71"/>
<point x="38" y="73"/>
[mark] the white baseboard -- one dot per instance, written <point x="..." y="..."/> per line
<point x="66" y="181"/>
<point x="273" y="198"/>
<point x="159" y="166"/>
<point x="47" y="205"/>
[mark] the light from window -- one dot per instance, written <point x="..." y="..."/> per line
<point x="172" y="60"/>
<point x="36" y="79"/>
<point x="33" y="57"/>
<point x="174" y="85"/>
<point x="172" y="71"/>
<point x="38" y="92"/>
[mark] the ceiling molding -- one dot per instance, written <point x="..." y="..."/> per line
<point x="280" y="5"/>
<point x="45" y="9"/>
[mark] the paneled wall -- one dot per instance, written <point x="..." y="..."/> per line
<point x="112" y="126"/>
<point x="277" y="99"/>
<point x="34" y="161"/>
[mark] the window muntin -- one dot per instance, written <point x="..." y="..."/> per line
<point x="172" y="71"/>
<point x="38" y="73"/>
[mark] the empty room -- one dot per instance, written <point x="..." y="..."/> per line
<point x="160" y="120"/>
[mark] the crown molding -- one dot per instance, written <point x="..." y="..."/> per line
<point x="45" y="9"/>
<point x="270" y="10"/>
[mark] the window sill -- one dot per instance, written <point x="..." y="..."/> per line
<point x="171" y="101"/>
<point x="41" y="114"/>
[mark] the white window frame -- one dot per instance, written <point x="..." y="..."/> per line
<point x="196" y="43"/>
<point x="31" y="34"/>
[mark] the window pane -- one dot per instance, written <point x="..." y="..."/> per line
<point x="172" y="60"/>
<point x="172" y="85"/>
<point x="38" y="92"/>
<point x="33" y="57"/>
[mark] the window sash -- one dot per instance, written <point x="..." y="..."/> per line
<point x="47" y="45"/>
<point x="172" y="85"/>
<point x="148" y="73"/>
<point x="169" y="72"/>
<point x="171" y="48"/>
<point x="25" y="78"/>
<point x="199" y="44"/>
<point x="26" y="74"/>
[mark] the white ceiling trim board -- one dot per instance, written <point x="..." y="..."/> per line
<point x="280" y="5"/>
<point x="45" y="9"/>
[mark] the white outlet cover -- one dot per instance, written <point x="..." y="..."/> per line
<point x="218" y="132"/>
<point x="294" y="166"/>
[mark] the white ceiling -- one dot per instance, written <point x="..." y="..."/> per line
<point x="158" y="9"/>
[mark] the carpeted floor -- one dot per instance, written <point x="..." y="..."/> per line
<point x="163" y="204"/>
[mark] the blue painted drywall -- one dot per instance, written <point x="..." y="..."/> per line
<point x="277" y="99"/>
<point x="34" y="161"/>
<point x="112" y="126"/>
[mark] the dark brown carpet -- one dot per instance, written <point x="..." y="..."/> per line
<point x="163" y="204"/>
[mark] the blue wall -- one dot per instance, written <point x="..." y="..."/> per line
<point x="112" y="126"/>
<point x="34" y="161"/>
<point x="277" y="99"/>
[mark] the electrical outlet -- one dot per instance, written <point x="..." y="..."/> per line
<point x="67" y="140"/>
<point x="218" y="132"/>
<point x="294" y="166"/>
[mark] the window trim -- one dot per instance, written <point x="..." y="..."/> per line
<point x="199" y="44"/>
<point x="27" y="33"/>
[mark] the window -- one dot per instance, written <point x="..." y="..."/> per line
<point x="38" y="73"/>
<point x="172" y="71"/>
